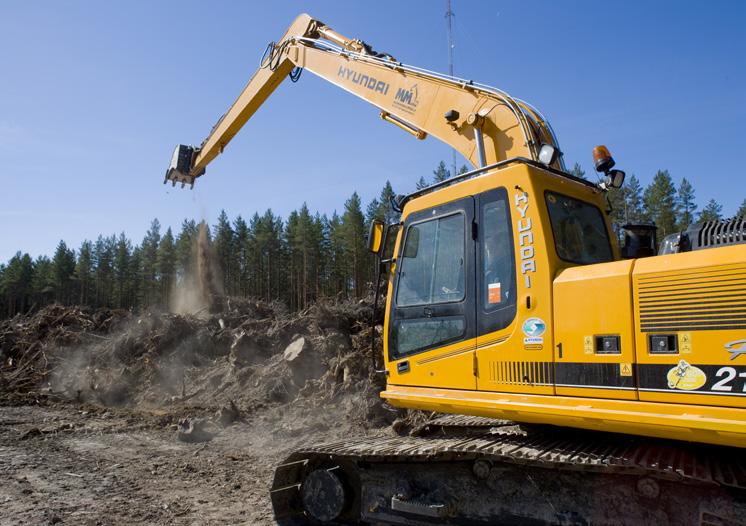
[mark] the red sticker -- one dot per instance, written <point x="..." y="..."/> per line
<point x="494" y="293"/>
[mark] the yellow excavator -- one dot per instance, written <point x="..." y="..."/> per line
<point x="584" y="383"/>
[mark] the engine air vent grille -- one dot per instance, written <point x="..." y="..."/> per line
<point x="521" y="373"/>
<point x="693" y="300"/>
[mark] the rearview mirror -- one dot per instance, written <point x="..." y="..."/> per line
<point x="375" y="236"/>
<point x="616" y="178"/>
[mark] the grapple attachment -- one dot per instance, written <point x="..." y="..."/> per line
<point x="180" y="168"/>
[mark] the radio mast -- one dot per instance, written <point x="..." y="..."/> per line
<point x="449" y="25"/>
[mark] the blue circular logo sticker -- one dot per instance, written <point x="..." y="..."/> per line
<point x="534" y="327"/>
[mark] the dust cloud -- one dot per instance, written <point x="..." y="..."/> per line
<point x="198" y="292"/>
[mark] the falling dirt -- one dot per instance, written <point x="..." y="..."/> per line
<point x="200" y="291"/>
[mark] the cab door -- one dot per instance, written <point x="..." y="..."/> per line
<point x="431" y="325"/>
<point x="514" y="350"/>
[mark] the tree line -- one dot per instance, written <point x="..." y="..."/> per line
<point x="295" y="260"/>
<point x="670" y="207"/>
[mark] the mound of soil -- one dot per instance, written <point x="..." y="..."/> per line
<point x="312" y="366"/>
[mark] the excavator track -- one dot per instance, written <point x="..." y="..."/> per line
<point x="470" y="470"/>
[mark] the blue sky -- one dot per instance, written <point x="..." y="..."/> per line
<point x="94" y="96"/>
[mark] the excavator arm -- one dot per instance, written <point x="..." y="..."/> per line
<point x="482" y="123"/>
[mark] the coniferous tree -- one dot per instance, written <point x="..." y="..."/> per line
<point x="63" y="267"/>
<point x="136" y="279"/>
<point x="84" y="272"/>
<point x="17" y="285"/>
<point x="255" y="256"/>
<point x="741" y="212"/>
<point x="660" y="203"/>
<point x="325" y="251"/>
<point x="633" y="211"/>
<point x="386" y="212"/>
<point x="149" y="262"/>
<point x="421" y="183"/>
<point x="441" y="173"/>
<point x="617" y="201"/>
<point x="353" y="234"/>
<point x="338" y="262"/>
<point x="103" y="258"/>
<point x="712" y="211"/>
<point x="373" y="211"/>
<point x="626" y="204"/>
<point x="44" y="281"/>
<point x="166" y="265"/>
<point x="578" y="171"/>
<point x="185" y="248"/>
<point x="242" y="265"/>
<point x="308" y="244"/>
<point x="3" y="299"/>
<point x="686" y="205"/>
<point x="318" y="243"/>
<point x="224" y="248"/>
<point x="269" y="245"/>
<point x="122" y="273"/>
<point x="295" y="256"/>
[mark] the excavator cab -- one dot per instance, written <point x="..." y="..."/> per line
<point x="467" y="304"/>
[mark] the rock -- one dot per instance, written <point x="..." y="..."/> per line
<point x="193" y="430"/>
<point x="305" y="363"/>
<point x="294" y="351"/>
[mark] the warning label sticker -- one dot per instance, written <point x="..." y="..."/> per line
<point x="494" y="293"/>
<point x="588" y="344"/>
<point x="685" y="343"/>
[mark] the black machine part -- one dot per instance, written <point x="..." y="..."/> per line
<point x="706" y="235"/>
<point x="461" y="470"/>
<point x="639" y="240"/>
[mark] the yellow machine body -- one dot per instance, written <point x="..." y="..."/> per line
<point x="653" y="346"/>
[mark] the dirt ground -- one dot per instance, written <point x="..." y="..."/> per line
<point x="80" y="464"/>
<point x="96" y="409"/>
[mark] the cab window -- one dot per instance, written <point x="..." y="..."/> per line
<point x="432" y="262"/>
<point x="432" y="285"/>
<point x="419" y="334"/>
<point x="579" y="230"/>
<point x="495" y="263"/>
<point x="497" y="280"/>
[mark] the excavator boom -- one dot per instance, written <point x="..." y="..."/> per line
<point x="484" y="124"/>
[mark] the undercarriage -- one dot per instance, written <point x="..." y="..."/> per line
<point x="471" y="470"/>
